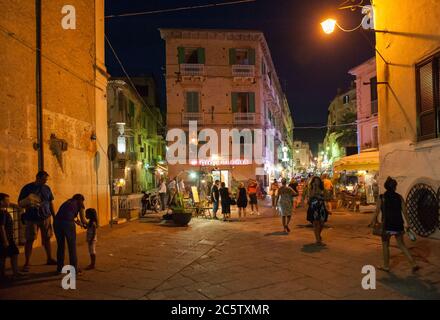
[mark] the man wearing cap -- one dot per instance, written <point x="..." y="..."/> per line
<point x="36" y="198"/>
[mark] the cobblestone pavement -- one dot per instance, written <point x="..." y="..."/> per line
<point x="250" y="259"/>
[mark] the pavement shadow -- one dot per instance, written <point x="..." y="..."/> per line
<point x="412" y="286"/>
<point x="32" y="278"/>
<point x="277" y="233"/>
<point x="312" y="248"/>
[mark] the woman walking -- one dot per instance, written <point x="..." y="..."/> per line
<point x="317" y="213"/>
<point x="284" y="203"/>
<point x="64" y="226"/>
<point x="393" y="209"/>
<point x="242" y="200"/>
<point x="225" y="200"/>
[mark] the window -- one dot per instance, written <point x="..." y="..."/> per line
<point x="191" y="55"/>
<point x="375" y="137"/>
<point x="242" y="56"/>
<point x="192" y="101"/>
<point x="428" y="98"/>
<point x="346" y="99"/>
<point x="243" y="102"/>
<point x="373" y="93"/>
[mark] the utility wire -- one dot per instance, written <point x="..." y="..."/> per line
<point x="179" y="9"/>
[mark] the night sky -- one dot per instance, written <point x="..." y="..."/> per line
<point x="310" y="64"/>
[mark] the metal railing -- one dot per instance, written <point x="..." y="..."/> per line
<point x="192" y="69"/>
<point x="241" y="70"/>
<point x="192" y="116"/>
<point x="244" y="118"/>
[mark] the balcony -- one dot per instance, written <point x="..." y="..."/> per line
<point x="192" y="70"/>
<point x="244" y="118"/>
<point x="192" y="116"/>
<point x="243" y="71"/>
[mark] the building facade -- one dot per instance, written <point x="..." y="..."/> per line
<point x="73" y="123"/>
<point x="340" y="139"/>
<point x="409" y="110"/>
<point x="302" y="156"/>
<point x="134" y="124"/>
<point x="226" y="79"/>
<point x="367" y="106"/>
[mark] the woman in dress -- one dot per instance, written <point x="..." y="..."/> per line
<point x="317" y="213"/>
<point x="225" y="200"/>
<point x="393" y="209"/>
<point x="242" y="200"/>
<point x="284" y="203"/>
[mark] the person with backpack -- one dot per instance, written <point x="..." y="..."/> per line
<point x="392" y="208"/>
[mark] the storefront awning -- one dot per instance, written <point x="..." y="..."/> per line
<point x="368" y="161"/>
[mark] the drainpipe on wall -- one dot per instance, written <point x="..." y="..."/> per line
<point x="39" y="145"/>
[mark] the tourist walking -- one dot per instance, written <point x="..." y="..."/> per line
<point x="392" y="208"/>
<point x="8" y="247"/>
<point x="215" y="197"/>
<point x="225" y="199"/>
<point x="284" y="203"/>
<point x="242" y="200"/>
<point x="37" y="200"/>
<point x="328" y="190"/>
<point x="317" y="213"/>
<point x="65" y="230"/>
<point x="252" y="192"/>
<point x="274" y="192"/>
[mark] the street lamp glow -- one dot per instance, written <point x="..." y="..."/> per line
<point x="193" y="175"/>
<point x="328" y="26"/>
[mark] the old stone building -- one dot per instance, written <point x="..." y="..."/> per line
<point x="73" y="95"/>
<point x="226" y="79"/>
<point x="408" y="74"/>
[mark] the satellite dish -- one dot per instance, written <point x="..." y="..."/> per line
<point x="111" y="152"/>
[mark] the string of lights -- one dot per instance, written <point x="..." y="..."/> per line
<point x="179" y="9"/>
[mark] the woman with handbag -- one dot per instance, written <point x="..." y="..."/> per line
<point x="317" y="213"/>
<point x="393" y="209"/>
<point x="242" y="200"/>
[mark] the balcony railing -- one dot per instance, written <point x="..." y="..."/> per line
<point x="239" y="70"/>
<point x="191" y="69"/>
<point x="192" y="116"/>
<point x="244" y="118"/>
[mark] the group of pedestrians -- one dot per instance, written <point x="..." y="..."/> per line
<point x="36" y="199"/>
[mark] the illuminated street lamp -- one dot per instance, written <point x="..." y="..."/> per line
<point x="367" y="23"/>
<point x="328" y="26"/>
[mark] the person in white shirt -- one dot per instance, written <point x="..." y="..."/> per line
<point x="162" y="194"/>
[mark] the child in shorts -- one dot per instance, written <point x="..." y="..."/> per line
<point x="92" y="226"/>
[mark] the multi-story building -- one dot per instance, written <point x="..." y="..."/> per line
<point x="302" y="156"/>
<point x="340" y="140"/>
<point x="367" y="106"/>
<point x="58" y="124"/>
<point x="226" y="79"/>
<point x="135" y="128"/>
<point x="408" y="73"/>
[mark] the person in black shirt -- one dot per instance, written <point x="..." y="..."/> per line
<point x="393" y="209"/>
<point x="215" y="196"/>
<point x="8" y="248"/>
<point x="225" y="201"/>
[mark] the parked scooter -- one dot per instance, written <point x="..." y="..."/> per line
<point x="150" y="202"/>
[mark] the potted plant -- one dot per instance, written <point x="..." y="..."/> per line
<point x="181" y="215"/>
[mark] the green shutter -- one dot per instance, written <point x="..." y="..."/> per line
<point x="131" y="108"/>
<point x="252" y="102"/>
<point x="192" y="101"/>
<point x="251" y="54"/>
<point x="201" y="55"/>
<point x="181" y="54"/>
<point x="234" y="97"/>
<point x="232" y="56"/>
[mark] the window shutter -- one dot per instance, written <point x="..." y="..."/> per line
<point x="251" y="55"/>
<point x="252" y="102"/>
<point x="426" y="102"/>
<point x="201" y="55"/>
<point x="234" y="97"/>
<point x="181" y="54"/>
<point x="232" y="56"/>
<point x="192" y="102"/>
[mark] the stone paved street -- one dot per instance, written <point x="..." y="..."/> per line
<point x="237" y="260"/>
